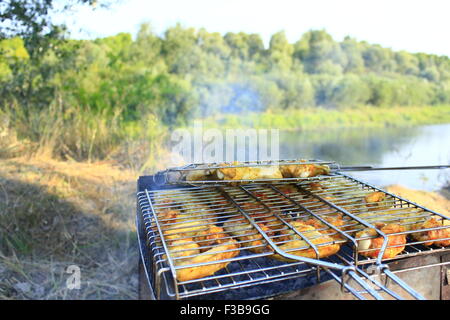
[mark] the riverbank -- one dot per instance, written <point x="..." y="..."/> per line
<point x="320" y="118"/>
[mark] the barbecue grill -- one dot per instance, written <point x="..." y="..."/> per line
<point x="270" y="267"/>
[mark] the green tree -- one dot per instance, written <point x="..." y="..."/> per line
<point x="320" y="53"/>
<point x="354" y="61"/>
<point x="280" y="52"/>
<point x="407" y="63"/>
<point x="244" y="46"/>
<point x="350" y="91"/>
<point x="378" y="59"/>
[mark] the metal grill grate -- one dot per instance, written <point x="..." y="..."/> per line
<point x="258" y="231"/>
<point x="203" y="174"/>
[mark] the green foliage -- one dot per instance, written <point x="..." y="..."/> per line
<point x="280" y="52"/>
<point x="244" y="46"/>
<point x="117" y="81"/>
<point x="13" y="53"/>
<point x="320" y="53"/>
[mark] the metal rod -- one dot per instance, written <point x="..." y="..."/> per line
<point x="365" y="285"/>
<point x="312" y="245"/>
<point x="302" y="207"/>
<point x="276" y="248"/>
<point x="370" y="168"/>
<point x="402" y="284"/>
<point x="345" y="212"/>
<point x="243" y="164"/>
<point x="164" y="243"/>
<point x="346" y="285"/>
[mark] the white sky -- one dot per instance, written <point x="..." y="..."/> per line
<point x="412" y="25"/>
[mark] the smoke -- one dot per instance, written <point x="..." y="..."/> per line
<point x="211" y="145"/>
<point x="228" y="97"/>
<point x="243" y="99"/>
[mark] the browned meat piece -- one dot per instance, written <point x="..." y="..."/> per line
<point x="303" y="170"/>
<point x="433" y="236"/>
<point x="365" y="245"/>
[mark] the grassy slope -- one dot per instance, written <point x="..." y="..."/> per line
<point x="323" y="118"/>
<point x="55" y="214"/>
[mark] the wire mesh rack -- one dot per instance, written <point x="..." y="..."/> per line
<point x="210" y="239"/>
<point x="262" y="171"/>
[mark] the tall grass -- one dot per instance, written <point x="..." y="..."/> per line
<point x="71" y="132"/>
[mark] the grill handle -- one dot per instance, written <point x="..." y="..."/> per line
<point x="371" y="168"/>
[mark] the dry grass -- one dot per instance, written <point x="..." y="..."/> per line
<point x="431" y="200"/>
<point x="55" y="214"/>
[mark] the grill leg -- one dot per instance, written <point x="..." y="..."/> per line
<point x="445" y="279"/>
<point x="144" y="290"/>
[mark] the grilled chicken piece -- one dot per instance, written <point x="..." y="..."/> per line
<point x="371" y="205"/>
<point x="175" y="224"/>
<point x="181" y="220"/>
<point x="432" y="236"/>
<point x="287" y="189"/>
<point x="235" y="173"/>
<point x="376" y="201"/>
<point x="183" y="248"/>
<point x="209" y="236"/>
<point x="192" y="237"/>
<point x="193" y="255"/>
<point x="197" y="175"/>
<point x="325" y="245"/>
<point x="376" y="196"/>
<point x="365" y="246"/>
<point x="316" y="186"/>
<point x="267" y="220"/>
<point x="324" y="229"/>
<point x="248" y="173"/>
<point x="183" y="230"/>
<point x="303" y="170"/>
<point x="248" y="235"/>
<point x="256" y="173"/>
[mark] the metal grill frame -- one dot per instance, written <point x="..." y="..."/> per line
<point x="162" y="277"/>
<point x="165" y="177"/>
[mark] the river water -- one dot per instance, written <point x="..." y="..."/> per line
<point x="381" y="147"/>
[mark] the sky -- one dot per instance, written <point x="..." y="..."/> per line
<point x="411" y="25"/>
